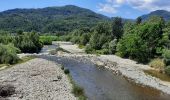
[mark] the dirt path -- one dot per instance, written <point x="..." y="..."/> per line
<point x="37" y="79"/>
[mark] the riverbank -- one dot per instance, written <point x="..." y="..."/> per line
<point x="37" y="79"/>
<point x="128" y="68"/>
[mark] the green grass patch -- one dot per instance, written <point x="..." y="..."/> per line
<point x="81" y="46"/>
<point x="157" y="74"/>
<point x="77" y="90"/>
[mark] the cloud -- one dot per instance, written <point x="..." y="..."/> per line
<point x="147" y="5"/>
<point x="107" y="8"/>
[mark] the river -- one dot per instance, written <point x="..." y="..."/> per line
<point x="101" y="84"/>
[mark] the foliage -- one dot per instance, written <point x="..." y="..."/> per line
<point x="166" y="56"/>
<point x="66" y="71"/>
<point x="138" y="20"/>
<point x="167" y="70"/>
<point x="142" y="42"/>
<point x="84" y="39"/>
<point x="117" y="28"/>
<point x="8" y="54"/>
<point x="112" y="46"/>
<point x="157" y="64"/>
<point x="101" y="35"/>
<point x="47" y="40"/>
<point x="51" y="19"/>
<point x="28" y="42"/>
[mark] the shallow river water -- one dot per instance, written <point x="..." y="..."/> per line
<point x="102" y="84"/>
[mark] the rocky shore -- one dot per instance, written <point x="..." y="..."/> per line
<point x="37" y="79"/>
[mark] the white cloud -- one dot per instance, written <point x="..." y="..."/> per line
<point x="107" y="8"/>
<point x="149" y="5"/>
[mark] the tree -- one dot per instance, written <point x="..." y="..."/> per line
<point x="138" y="20"/>
<point x="84" y="39"/>
<point x="101" y="35"/>
<point x="117" y="28"/>
<point x="142" y="42"/>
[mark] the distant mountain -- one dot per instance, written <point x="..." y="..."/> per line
<point x="163" y="13"/>
<point x="50" y="19"/>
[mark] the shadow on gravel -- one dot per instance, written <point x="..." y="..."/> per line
<point x="6" y="91"/>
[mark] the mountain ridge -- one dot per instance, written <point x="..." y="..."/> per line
<point x="49" y="19"/>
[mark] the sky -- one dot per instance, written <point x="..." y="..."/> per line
<point x="123" y="8"/>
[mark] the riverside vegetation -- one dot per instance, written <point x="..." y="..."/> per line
<point x="12" y="44"/>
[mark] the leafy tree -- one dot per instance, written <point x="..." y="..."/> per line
<point x="142" y="42"/>
<point x="28" y="42"/>
<point x="101" y="35"/>
<point x="117" y="28"/>
<point x="84" y="39"/>
<point x="138" y="20"/>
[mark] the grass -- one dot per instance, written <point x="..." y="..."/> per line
<point x="76" y="90"/>
<point x="157" y="74"/>
<point x="157" y="64"/>
<point x="81" y="46"/>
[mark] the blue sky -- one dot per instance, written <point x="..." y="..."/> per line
<point x="111" y="8"/>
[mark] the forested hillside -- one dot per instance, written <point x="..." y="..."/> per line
<point x="162" y="13"/>
<point x="50" y="19"/>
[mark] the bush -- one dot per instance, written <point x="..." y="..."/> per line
<point x="89" y="49"/>
<point x="66" y="71"/>
<point x="158" y="64"/>
<point x="62" y="67"/>
<point x="167" y="70"/>
<point x="8" y="54"/>
<point x="28" y="42"/>
<point x="166" y="55"/>
<point x="112" y="46"/>
<point x="78" y="91"/>
<point x="47" y="40"/>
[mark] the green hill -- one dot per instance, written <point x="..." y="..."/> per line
<point x="50" y="19"/>
<point x="163" y="13"/>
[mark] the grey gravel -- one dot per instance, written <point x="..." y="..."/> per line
<point x="38" y="79"/>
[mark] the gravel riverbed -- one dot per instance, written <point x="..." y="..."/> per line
<point x="37" y="79"/>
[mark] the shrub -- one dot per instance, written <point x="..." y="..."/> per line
<point x="47" y="40"/>
<point x="166" y="55"/>
<point x="78" y="91"/>
<point x="62" y="67"/>
<point x="112" y="46"/>
<point x="8" y="54"/>
<point x="28" y="42"/>
<point x="89" y="49"/>
<point x="158" y="64"/>
<point x="167" y="70"/>
<point x="66" y="71"/>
